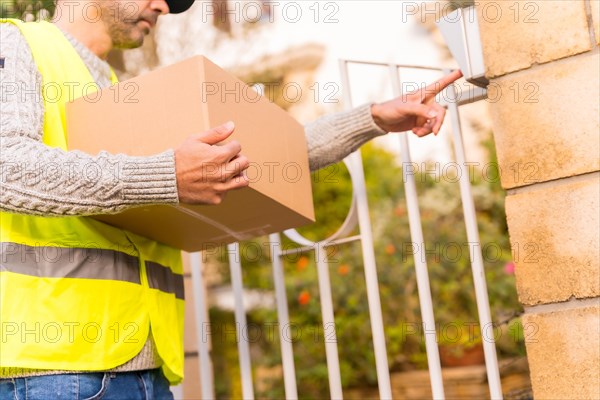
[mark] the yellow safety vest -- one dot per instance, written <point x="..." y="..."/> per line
<point x="75" y="293"/>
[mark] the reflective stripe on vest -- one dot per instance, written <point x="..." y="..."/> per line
<point x="60" y="262"/>
<point x="77" y="294"/>
<point x="86" y="263"/>
<point x="163" y="279"/>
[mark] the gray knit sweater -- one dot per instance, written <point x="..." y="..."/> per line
<point x="28" y="187"/>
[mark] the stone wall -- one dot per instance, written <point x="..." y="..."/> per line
<point x="543" y="62"/>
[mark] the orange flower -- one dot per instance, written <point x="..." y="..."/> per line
<point x="390" y="249"/>
<point x="302" y="263"/>
<point x="304" y="298"/>
<point x="400" y="211"/>
<point x="343" y="269"/>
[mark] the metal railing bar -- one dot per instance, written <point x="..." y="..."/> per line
<point x="202" y="321"/>
<point x="240" y="320"/>
<point x="306" y="249"/>
<point x="373" y="297"/>
<point x="481" y="294"/>
<point x="349" y="239"/>
<point x="329" y="327"/>
<point x="416" y="233"/>
<point x="283" y="319"/>
<point x="386" y="64"/>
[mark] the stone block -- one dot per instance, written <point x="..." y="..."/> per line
<point x="517" y="34"/>
<point x="546" y="121"/>
<point x="555" y="241"/>
<point x="563" y="348"/>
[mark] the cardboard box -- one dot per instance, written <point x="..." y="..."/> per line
<point x="158" y="110"/>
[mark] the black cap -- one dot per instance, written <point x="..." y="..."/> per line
<point x="179" y="6"/>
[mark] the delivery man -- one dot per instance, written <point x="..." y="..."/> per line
<point x="88" y="310"/>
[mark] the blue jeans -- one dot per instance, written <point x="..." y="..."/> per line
<point x="138" y="385"/>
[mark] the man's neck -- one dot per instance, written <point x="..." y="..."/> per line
<point x="93" y="35"/>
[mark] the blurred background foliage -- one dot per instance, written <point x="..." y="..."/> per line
<point x="447" y="255"/>
<point x="27" y="10"/>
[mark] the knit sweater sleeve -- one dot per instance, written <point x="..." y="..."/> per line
<point x="39" y="180"/>
<point x="333" y="137"/>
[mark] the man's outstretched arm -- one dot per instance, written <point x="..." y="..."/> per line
<point x="333" y="137"/>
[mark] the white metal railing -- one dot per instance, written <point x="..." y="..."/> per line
<point x="416" y="234"/>
<point x="358" y="214"/>
<point x="481" y="294"/>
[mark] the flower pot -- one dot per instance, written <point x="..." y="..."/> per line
<point x="461" y="355"/>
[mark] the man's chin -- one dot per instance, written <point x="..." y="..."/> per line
<point x="132" y="43"/>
